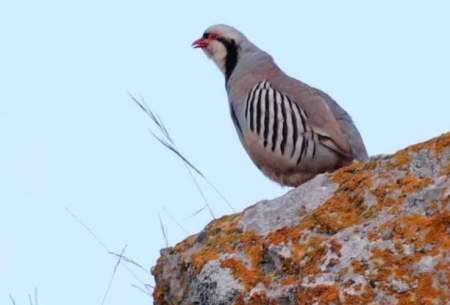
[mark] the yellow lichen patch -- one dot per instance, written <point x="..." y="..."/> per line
<point x="249" y="278"/>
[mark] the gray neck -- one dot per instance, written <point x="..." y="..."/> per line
<point x="250" y="61"/>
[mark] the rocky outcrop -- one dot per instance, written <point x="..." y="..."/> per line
<point x="370" y="233"/>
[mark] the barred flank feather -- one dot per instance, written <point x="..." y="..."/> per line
<point x="279" y="122"/>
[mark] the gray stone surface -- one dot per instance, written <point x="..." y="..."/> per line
<point x="373" y="233"/>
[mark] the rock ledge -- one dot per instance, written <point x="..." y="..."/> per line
<point x="370" y="233"/>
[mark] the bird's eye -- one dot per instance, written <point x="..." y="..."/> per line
<point x="205" y="35"/>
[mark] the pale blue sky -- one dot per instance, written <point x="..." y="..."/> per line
<point x="70" y="137"/>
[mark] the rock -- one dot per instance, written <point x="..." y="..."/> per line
<point x="370" y="233"/>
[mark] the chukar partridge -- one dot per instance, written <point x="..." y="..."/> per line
<point x="291" y="131"/>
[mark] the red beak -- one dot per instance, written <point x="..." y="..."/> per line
<point x="200" y="43"/>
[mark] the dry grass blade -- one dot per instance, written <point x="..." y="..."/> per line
<point x="219" y="193"/>
<point x="189" y="166"/>
<point x="170" y="145"/>
<point x="129" y="261"/>
<point x="90" y="231"/>
<point x="196" y="212"/>
<point x="141" y="290"/>
<point x="173" y="149"/>
<point x="113" y="275"/>
<point x="102" y="244"/>
<point x="12" y="300"/>
<point x="175" y="221"/>
<point x="164" y="231"/>
<point x="153" y="116"/>
<point x="199" y="189"/>
<point x="30" y="299"/>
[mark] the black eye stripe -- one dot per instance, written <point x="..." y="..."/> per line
<point x="232" y="55"/>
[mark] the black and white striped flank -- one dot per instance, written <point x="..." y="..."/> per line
<point x="280" y="123"/>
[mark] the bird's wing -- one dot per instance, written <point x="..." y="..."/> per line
<point x="319" y="116"/>
<point x="283" y="126"/>
<point x="311" y="110"/>
<point x="347" y="126"/>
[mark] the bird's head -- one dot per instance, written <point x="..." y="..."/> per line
<point x="224" y="45"/>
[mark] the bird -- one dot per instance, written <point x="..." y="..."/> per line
<point x="290" y="130"/>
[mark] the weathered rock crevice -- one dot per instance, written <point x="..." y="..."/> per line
<point x="370" y="233"/>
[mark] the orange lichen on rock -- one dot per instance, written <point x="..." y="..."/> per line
<point x="320" y="295"/>
<point x="186" y="244"/>
<point x="427" y="293"/>
<point x="255" y="299"/>
<point x="344" y="209"/>
<point x="410" y="184"/>
<point x="249" y="277"/>
<point x="439" y="231"/>
<point x="436" y="145"/>
<point x="223" y="233"/>
<point x="285" y="235"/>
<point x="378" y="235"/>
<point x="401" y="159"/>
<point x="200" y="258"/>
<point x="253" y="248"/>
